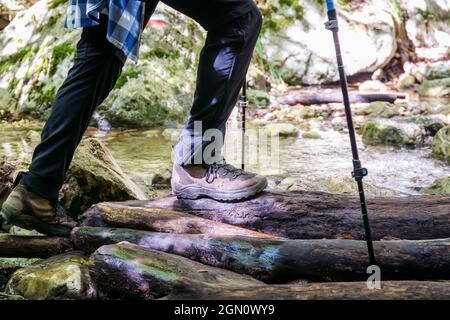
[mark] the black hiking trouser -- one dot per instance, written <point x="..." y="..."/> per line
<point x="223" y="64"/>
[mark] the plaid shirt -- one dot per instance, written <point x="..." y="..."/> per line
<point x="125" y="22"/>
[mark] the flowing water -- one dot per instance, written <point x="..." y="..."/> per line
<point x="141" y="153"/>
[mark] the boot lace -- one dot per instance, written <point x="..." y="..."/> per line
<point x="222" y="169"/>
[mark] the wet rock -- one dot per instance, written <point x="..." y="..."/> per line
<point x="388" y="132"/>
<point x="339" y="185"/>
<point x="380" y="109"/>
<point x="4" y="296"/>
<point x="94" y="176"/>
<point x="60" y="277"/>
<point x="406" y="81"/>
<point x="373" y="86"/>
<point x="162" y="179"/>
<point x="282" y="129"/>
<point x="311" y="135"/>
<point x="439" y="187"/>
<point x="431" y="124"/>
<point x="439" y="88"/>
<point x="441" y="144"/>
<point x="258" y="98"/>
<point x="338" y="123"/>
<point x="437" y="70"/>
<point x="9" y="265"/>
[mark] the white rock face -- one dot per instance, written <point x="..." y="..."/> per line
<point x="21" y="30"/>
<point x="429" y="22"/>
<point x="305" y="50"/>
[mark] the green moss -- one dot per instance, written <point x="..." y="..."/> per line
<point x="125" y="76"/>
<point x="279" y="14"/>
<point x="374" y="134"/>
<point x="20" y="56"/>
<point x="57" y="3"/>
<point x="159" y="52"/>
<point x="426" y="15"/>
<point x="258" y="98"/>
<point x="439" y="187"/>
<point x="59" y="53"/>
<point x="397" y="10"/>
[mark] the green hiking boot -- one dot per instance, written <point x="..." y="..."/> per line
<point x="27" y="210"/>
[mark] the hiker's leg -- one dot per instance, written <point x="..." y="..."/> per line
<point x="224" y="62"/>
<point x="89" y="81"/>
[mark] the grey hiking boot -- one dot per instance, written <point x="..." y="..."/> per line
<point x="217" y="181"/>
<point x="27" y="210"/>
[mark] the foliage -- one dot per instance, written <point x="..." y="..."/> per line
<point x="57" y="3"/>
<point x="279" y="14"/>
<point x="18" y="57"/>
<point x="59" y="53"/>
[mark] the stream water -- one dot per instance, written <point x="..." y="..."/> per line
<point x="142" y="153"/>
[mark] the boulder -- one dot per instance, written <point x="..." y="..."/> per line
<point x="439" y="88"/>
<point x="304" y="52"/>
<point x="439" y="187"/>
<point x="389" y="132"/>
<point x="427" y="23"/>
<point x="373" y="86"/>
<point x="281" y="129"/>
<point x="94" y="176"/>
<point x="9" y="265"/>
<point x="380" y="109"/>
<point x="405" y="81"/>
<point x="259" y="98"/>
<point x="311" y="135"/>
<point x="60" y="277"/>
<point x="441" y="144"/>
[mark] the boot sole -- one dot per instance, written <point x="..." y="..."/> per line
<point x="29" y="222"/>
<point x="193" y="192"/>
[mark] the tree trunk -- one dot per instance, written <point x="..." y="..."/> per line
<point x="32" y="246"/>
<point x="125" y="214"/>
<point x="295" y="215"/>
<point x="276" y="260"/>
<point x="307" y="98"/>
<point x="127" y="270"/>
<point x="399" y="290"/>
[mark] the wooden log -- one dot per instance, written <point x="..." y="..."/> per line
<point x="127" y="270"/>
<point x="390" y="290"/>
<point x="318" y="215"/>
<point x="156" y="219"/>
<point x="309" y="98"/>
<point x="277" y="260"/>
<point x="12" y="246"/>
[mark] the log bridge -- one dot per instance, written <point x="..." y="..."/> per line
<point x="278" y="245"/>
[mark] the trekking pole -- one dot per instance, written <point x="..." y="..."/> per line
<point x="358" y="171"/>
<point x="243" y="104"/>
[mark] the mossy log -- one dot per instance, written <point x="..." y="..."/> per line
<point x="309" y="98"/>
<point x="277" y="260"/>
<point x="12" y="246"/>
<point x="302" y="215"/>
<point x="390" y="290"/>
<point x="126" y="270"/>
<point x="126" y="215"/>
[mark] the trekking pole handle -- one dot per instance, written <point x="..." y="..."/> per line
<point x="330" y="5"/>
